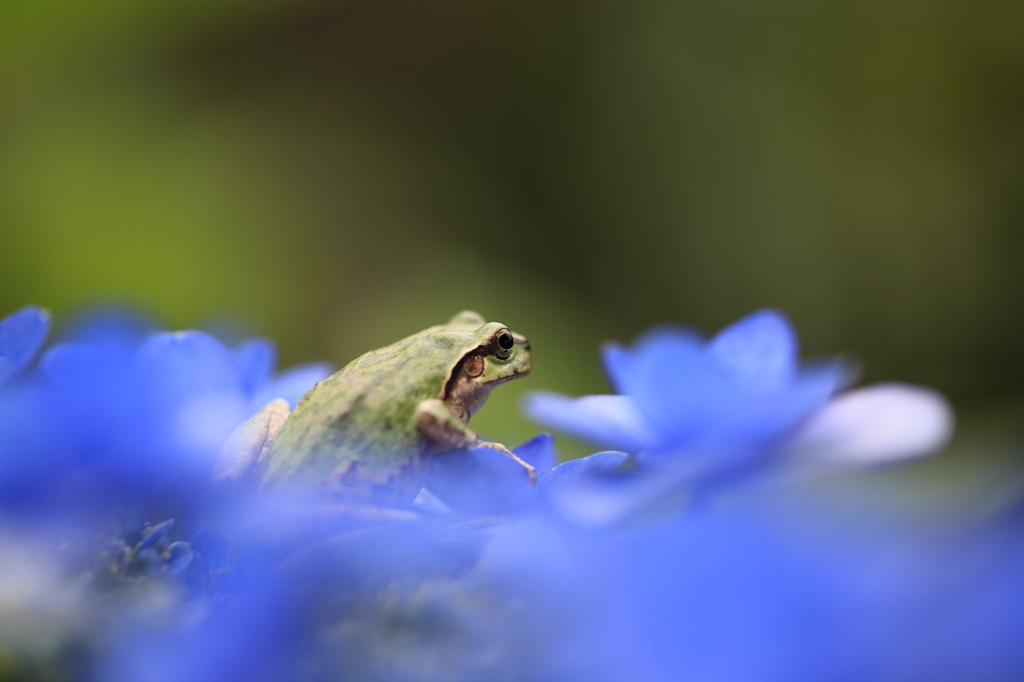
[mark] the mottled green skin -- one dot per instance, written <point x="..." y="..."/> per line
<point x="356" y="430"/>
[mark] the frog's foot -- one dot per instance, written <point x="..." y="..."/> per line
<point x="530" y="471"/>
<point x="439" y="423"/>
<point x="244" y="450"/>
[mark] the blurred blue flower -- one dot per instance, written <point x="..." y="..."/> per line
<point x="700" y="413"/>
<point x="114" y="415"/>
<point x="147" y="553"/>
<point x="740" y="392"/>
<point x="591" y="574"/>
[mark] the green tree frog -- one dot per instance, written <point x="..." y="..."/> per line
<point x="371" y="429"/>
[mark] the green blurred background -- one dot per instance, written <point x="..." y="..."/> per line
<point x="336" y="175"/>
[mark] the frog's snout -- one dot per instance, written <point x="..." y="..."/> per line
<point x="521" y="340"/>
<point x="525" y="366"/>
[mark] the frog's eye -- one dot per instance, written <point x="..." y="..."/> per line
<point x="503" y="342"/>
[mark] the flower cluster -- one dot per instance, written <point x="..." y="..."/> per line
<point x="124" y="559"/>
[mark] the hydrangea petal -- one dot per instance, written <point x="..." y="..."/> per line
<point x="256" y="358"/>
<point x="597" y="464"/>
<point x="877" y="424"/>
<point x="760" y="351"/>
<point x="539" y="452"/>
<point x="610" y="420"/>
<point x="189" y="363"/>
<point x="99" y="372"/>
<point x="622" y="364"/>
<point x="604" y="501"/>
<point x="673" y="385"/>
<point x="766" y="418"/>
<point x="480" y="481"/>
<point x="22" y="334"/>
<point x="213" y="548"/>
<point x="158" y="535"/>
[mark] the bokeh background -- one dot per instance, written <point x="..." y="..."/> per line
<point x="336" y="175"/>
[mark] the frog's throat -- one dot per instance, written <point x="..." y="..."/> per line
<point x="479" y="392"/>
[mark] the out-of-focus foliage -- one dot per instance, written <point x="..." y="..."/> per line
<point x="343" y="173"/>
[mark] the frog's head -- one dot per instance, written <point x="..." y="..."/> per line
<point x="496" y="355"/>
<point x="502" y="356"/>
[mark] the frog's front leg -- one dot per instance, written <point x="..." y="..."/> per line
<point x="245" y="447"/>
<point x="440" y="424"/>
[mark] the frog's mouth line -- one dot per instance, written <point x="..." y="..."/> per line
<point x="504" y="380"/>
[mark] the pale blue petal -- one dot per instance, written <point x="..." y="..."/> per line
<point x="622" y="364"/>
<point x="256" y="358"/>
<point x="674" y="386"/>
<point x="568" y="473"/>
<point x="213" y="548"/>
<point x="482" y="481"/>
<point x="179" y="365"/>
<point x="22" y="334"/>
<point x="875" y="425"/>
<point x="610" y="420"/>
<point x="759" y="351"/>
<point x="539" y="452"/>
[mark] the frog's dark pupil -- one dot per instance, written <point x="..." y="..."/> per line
<point x="505" y="340"/>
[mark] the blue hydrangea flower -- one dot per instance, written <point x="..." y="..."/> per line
<point x="147" y="553"/>
<point x="113" y="413"/>
<point x="698" y="413"/>
<point x="503" y="587"/>
<point x="741" y="391"/>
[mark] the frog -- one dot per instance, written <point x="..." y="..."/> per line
<point x="370" y="430"/>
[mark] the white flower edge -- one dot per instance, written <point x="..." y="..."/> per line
<point x="875" y="425"/>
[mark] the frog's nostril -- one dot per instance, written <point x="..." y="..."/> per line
<point x="521" y="341"/>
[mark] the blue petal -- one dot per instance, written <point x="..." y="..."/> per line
<point x="609" y="420"/>
<point x="182" y="364"/>
<point x="179" y="557"/>
<point x="567" y="473"/>
<point x="213" y="548"/>
<point x="769" y="417"/>
<point x="96" y="369"/>
<point x="21" y="336"/>
<point x="598" y="501"/>
<point x="158" y="536"/>
<point x="480" y="481"/>
<point x="539" y="451"/>
<point x="256" y="358"/>
<point x="292" y="384"/>
<point x="673" y="383"/>
<point x="621" y="364"/>
<point x="760" y="351"/>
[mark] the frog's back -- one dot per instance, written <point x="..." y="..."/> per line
<point x="363" y="416"/>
